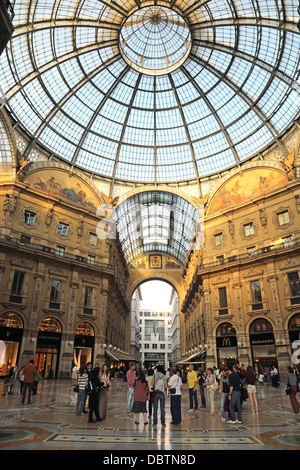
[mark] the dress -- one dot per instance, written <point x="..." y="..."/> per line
<point x="104" y="378"/>
<point x="141" y="393"/>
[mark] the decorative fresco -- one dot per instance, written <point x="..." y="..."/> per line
<point x="247" y="185"/>
<point x="61" y="184"/>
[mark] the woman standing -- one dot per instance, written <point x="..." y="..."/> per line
<point x="291" y="379"/>
<point x="210" y="378"/>
<point x="141" y="395"/>
<point x="149" y="379"/>
<point x="224" y="391"/>
<point x="251" y="388"/>
<point x="105" y="380"/>
<point x="175" y="402"/>
<point x="82" y="381"/>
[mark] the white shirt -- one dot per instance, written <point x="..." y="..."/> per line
<point x="175" y="382"/>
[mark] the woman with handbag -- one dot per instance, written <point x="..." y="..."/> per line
<point x="291" y="389"/>
<point x="251" y="388"/>
<point x="82" y="381"/>
<point x="174" y="386"/>
<point x="141" y="396"/>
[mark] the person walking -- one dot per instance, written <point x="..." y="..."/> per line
<point x="251" y="388"/>
<point x="13" y="373"/>
<point x="224" y="391"/>
<point x="149" y="379"/>
<point x="160" y="384"/>
<point x="175" y="383"/>
<point x="82" y="381"/>
<point x="210" y="380"/>
<point x="192" y="387"/>
<point x="131" y="378"/>
<point x="201" y="381"/>
<point x="105" y="385"/>
<point x="28" y="372"/>
<point x="291" y="379"/>
<point x="36" y="380"/>
<point x="235" y="396"/>
<point x="141" y="396"/>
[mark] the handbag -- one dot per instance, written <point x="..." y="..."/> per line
<point x="214" y="386"/>
<point x="89" y="388"/>
<point x="76" y="388"/>
<point x="288" y="389"/>
<point x="244" y="393"/>
<point x="173" y="390"/>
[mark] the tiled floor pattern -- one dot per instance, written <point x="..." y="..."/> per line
<point x="50" y="423"/>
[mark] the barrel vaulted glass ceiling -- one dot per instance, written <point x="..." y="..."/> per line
<point x="152" y="91"/>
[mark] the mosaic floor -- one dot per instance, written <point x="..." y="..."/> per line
<point x="50" y="423"/>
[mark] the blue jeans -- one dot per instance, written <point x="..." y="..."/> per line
<point x="130" y="396"/>
<point x="193" y="398"/>
<point x="80" y="401"/>
<point x="235" y="402"/>
<point x="159" y="397"/>
<point x="224" y="397"/>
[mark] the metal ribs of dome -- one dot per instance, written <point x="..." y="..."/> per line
<point x="68" y="86"/>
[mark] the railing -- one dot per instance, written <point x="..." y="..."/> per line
<point x="42" y="249"/>
<point x="280" y="247"/>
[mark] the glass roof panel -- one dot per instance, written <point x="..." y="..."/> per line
<point x="152" y="91"/>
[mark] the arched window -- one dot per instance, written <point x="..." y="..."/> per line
<point x="84" y="329"/>
<point x="261" y="325"/>
<point x="294" y="323"/>
<point x="11" y="320"/>
<point x="50" y="324"/>
<point x="226" y="329"/>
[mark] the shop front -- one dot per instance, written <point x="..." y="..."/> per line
<point x="227" y="353"/>
<point x="48" y="348"/>
<point x="294" y="336"/>
<point x="262" y="345"/>
<point x="11" y="334"/>
<point x="84" y="343"/>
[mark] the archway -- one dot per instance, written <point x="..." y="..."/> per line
<point x="155" y="323"/>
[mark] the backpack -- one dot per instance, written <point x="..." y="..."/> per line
<point x="159" y="383"/>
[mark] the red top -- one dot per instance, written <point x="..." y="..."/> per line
<point x="141" y="391"/>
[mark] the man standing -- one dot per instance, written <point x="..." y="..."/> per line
<point x="192" y="387"/>
<point x="234" y="396"/>
<point x="28" y="372"/>
<point x="160" y="384"/>
<point x="131" y="378"/>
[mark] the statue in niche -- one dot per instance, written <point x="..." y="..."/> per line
<point x="263" y="217"/>
<point x="10" y="204"/>
<point x="49" y="217"/>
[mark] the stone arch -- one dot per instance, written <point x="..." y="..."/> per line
<point x="135" y="282"/>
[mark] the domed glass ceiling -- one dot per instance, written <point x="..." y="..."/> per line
<point x="108" y="90"/>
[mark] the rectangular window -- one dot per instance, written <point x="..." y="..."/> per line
<point x="17" y="287"/>
<point x="256" y="295"/>
<point x="294" y="284"/>
<point x="92" y="239"/>
<point x="288" y="242"/>
<point x="154" y="346"/>
<point x="249" y="229"/>
<point x="91" y="259"/>
<point x="60" y="251"/>
<point x="223" y="310"/>
<point x="219" y="239"/>
<point x="55" y="294"/>
<point x="146" y="345"/>
<point x="24" y="240"/>
<point x="220" y="259"/>
<point x="62" y="229"/>
<point x="29" y="218"/>
<point x="283" y="218"/>
<point x="88" y="300"/>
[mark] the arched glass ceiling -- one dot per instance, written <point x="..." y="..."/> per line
<point x="71" y="90"/>
<point x="155" y="221"/>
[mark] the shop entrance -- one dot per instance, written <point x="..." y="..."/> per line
<point x="46" y="363"/>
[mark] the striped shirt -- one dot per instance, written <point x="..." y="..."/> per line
<point x="82" y="381"/>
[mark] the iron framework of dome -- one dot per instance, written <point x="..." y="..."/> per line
<point x="226" y="94"/>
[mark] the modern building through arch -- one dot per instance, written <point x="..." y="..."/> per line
<point x="149" y="140"/>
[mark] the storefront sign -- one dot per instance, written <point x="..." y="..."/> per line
<point x="261" y="339"/>
<point x="226" y="341"/>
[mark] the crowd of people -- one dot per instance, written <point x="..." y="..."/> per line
<point x="91" y="385"/>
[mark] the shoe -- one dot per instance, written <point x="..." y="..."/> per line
<point x="137" y="422"/>
<point x="238" y="422"/>
<point x="163" y="425"/>
<point x="146" y="422"/>
<point x="231" y="422"/>
<point x="91" y="421"/>
<point x="196" y="409"/>
<point x="222" y="419"/>
<point x="191" y="409"/>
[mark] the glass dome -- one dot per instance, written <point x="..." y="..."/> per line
<point x="192" y="89"/>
